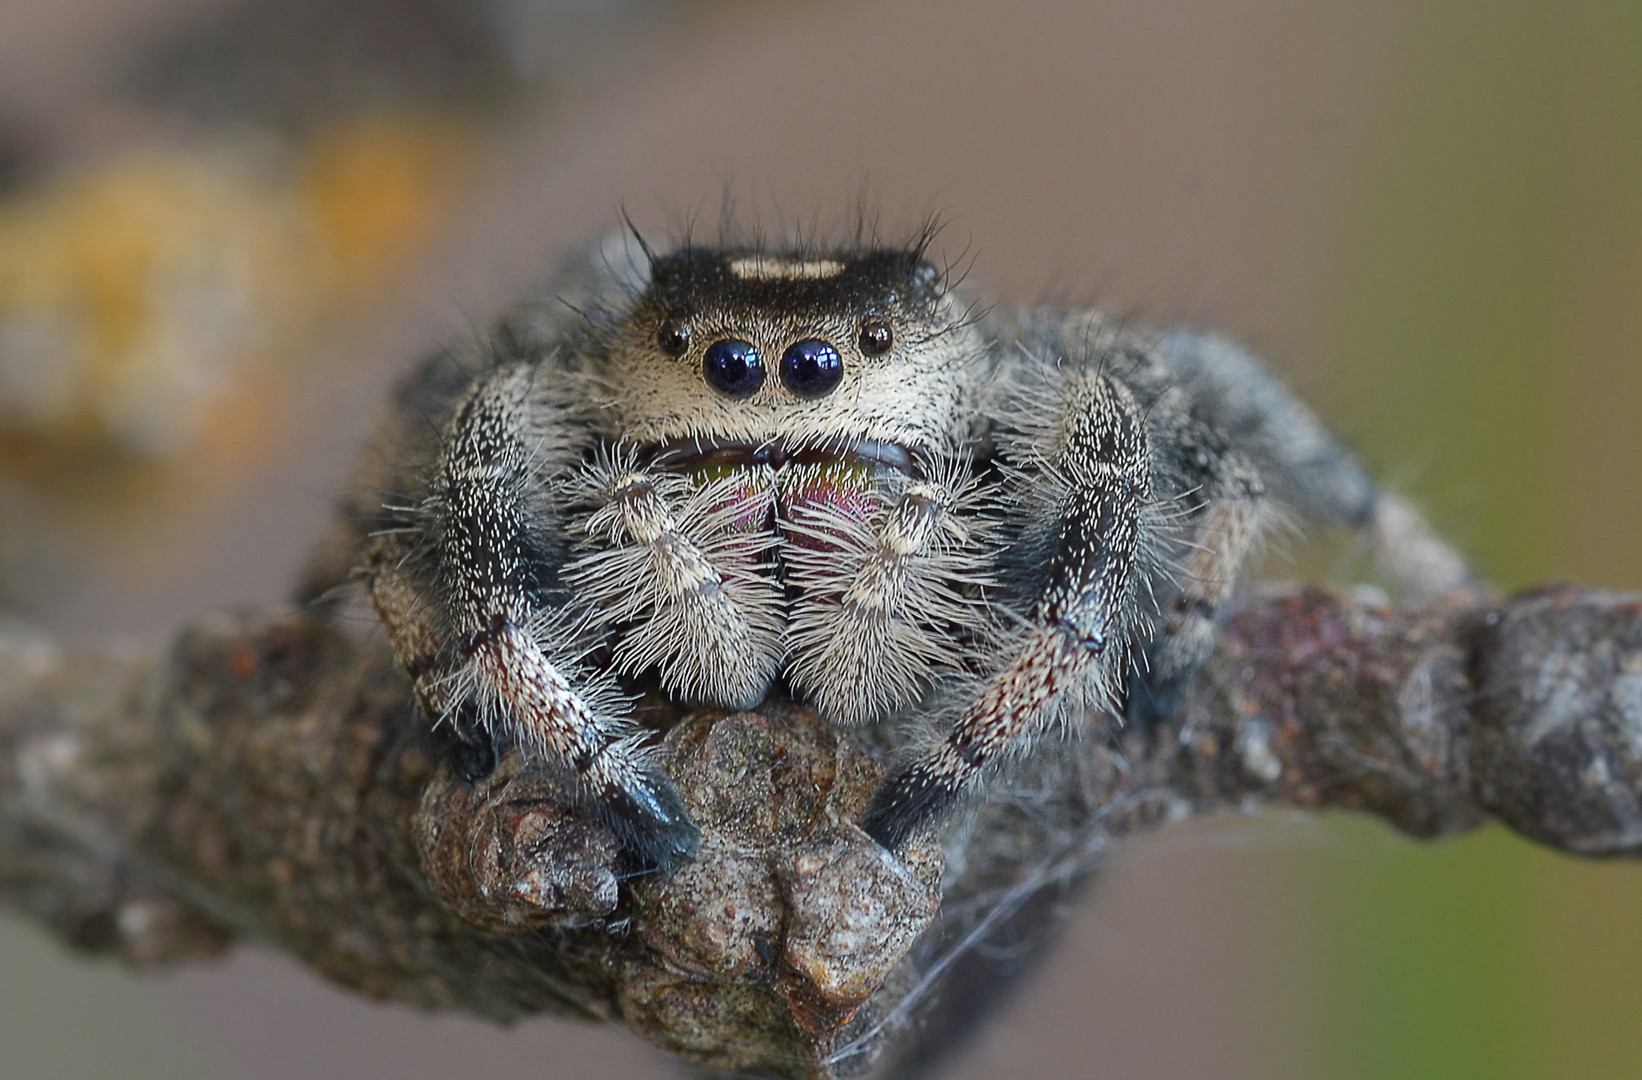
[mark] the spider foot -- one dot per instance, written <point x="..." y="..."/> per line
<point x="917" y="796"/>
<point x="650" y="820"/>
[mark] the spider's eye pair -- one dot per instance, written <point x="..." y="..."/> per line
<point x="810" y="368"/>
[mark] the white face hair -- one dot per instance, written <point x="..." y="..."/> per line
<point x="755" y="349"/>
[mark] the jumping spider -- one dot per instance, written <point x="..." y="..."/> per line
<point x="722" y="472"/>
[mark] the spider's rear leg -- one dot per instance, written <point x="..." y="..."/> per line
<point x="884" y="592"/>
<point x="1077" y="642"/>
<point x="1228" y="511"/>
<point x="1309" y="471"/>
<point x="488" y="637"/>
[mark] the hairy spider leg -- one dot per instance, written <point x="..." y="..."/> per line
<point x="1225" y="509"/>
<point x="507" y="650"/>
<point x="1099" y="469"/>
<point x="1306" y="466"/>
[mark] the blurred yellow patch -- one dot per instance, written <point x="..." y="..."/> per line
<point x="376" y="189"/>
<point x="156" y="304"/>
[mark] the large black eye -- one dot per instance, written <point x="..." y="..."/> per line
<point x="674" y="337"/>
<point x="876" y="337"/>
<point x="811" y="368"/>
<point x="733" y="367"/>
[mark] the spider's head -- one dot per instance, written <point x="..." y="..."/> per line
<point x="746" y="349"/>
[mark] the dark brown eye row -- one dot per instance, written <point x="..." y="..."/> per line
<point x="811" y="368"/>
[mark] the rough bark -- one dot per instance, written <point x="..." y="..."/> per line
<point x="265" y="777"/>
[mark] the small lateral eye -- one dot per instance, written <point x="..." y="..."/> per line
<point x="876" y="337"/>
<point x="674" y="337"/>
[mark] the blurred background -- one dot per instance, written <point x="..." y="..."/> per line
<point x="226" y="225"/>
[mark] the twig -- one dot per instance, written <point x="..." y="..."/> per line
<point x="266" y="777"/>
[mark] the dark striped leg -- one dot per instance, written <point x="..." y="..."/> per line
<point x="495" y="646"/>
<point x="1098" y="466"/>
<point x="1307" y="468"/>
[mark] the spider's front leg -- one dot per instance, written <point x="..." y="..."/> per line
<point x="1095" y="472"/>
<point x="488" y="640"/>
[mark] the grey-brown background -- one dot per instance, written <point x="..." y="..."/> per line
<point x="1429" y="216"/>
